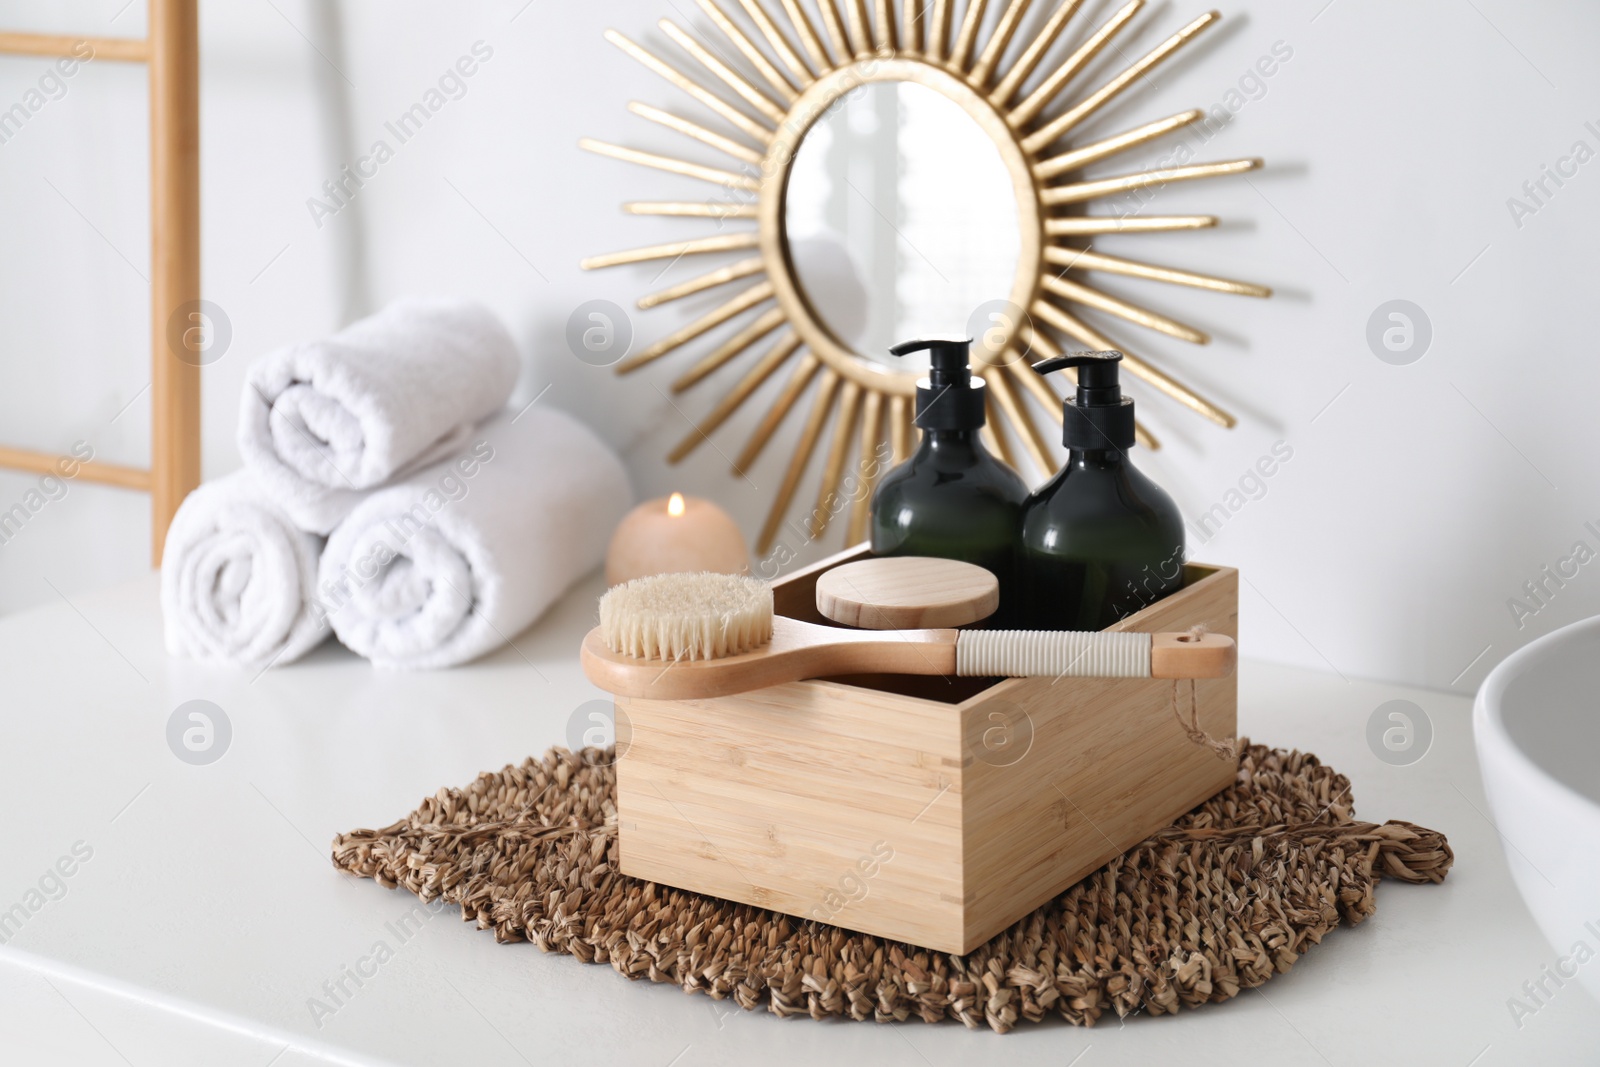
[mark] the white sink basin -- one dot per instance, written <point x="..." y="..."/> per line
<point x="1537" y="724"/>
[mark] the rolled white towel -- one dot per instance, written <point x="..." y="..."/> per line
<point x="457" y="559"/>
<point x="238" y="579"/>
<point x="323" y="421"/>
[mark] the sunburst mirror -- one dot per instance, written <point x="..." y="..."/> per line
<point x="834" y="250"/>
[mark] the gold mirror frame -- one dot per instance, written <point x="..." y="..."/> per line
<point x="815" y="103"/>
<point x="767" y="109"/>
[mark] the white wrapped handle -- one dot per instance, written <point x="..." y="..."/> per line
<point x="1052" y="653"/>
<point x="1092" y="654"/>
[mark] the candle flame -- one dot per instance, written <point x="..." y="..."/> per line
<point x="675" y="504"/>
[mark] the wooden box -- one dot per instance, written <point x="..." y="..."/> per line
<point x="928" y="810"/>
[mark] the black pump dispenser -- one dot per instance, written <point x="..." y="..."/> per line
<point x="949" y="398"/>
<point x="952" y="498"/>
<point x="1099" y="416"/>
<point x="1100" y="540"/>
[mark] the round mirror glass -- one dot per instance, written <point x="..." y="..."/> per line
<point x="901" y="220"/>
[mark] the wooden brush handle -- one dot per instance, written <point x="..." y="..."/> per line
<point x="1190" y="655"/>
<point x="801" y="650"/>
<point x="797" y="651"/>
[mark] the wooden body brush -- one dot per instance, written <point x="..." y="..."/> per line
<point x="687" y="636"/>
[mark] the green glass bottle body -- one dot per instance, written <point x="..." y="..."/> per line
<point x="1099" y="542"/>
<point x="953" y="499"/>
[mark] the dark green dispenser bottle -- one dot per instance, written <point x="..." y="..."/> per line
<point x="1100" y="540"/>
<point x="952" y="499"/>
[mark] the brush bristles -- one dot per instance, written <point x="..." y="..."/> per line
<point x="687" y="616"/>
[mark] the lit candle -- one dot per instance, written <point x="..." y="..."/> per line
<point x="674" y="534"/>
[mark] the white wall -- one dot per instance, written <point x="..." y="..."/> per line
<point x="1418" y="500"/>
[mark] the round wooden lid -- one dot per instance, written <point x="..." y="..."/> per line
<point x="907" y="593"/>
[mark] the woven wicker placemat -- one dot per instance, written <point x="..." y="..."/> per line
<point x="1231" y="894"/>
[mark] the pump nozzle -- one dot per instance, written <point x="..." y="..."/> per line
<point x="949" y="398"/>
<point x="1099" y="417"/>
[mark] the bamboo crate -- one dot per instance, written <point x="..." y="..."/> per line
<point x="928" y="810"/>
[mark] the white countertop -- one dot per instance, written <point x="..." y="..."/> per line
<point x="209" y="913"/>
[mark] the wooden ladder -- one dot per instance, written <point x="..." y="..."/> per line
<point x="172" y="54"/>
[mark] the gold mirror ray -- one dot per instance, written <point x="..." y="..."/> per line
<point x="1027" y="112"/>
<point x="747" y="47"/>
<point x="767" y="71"/>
